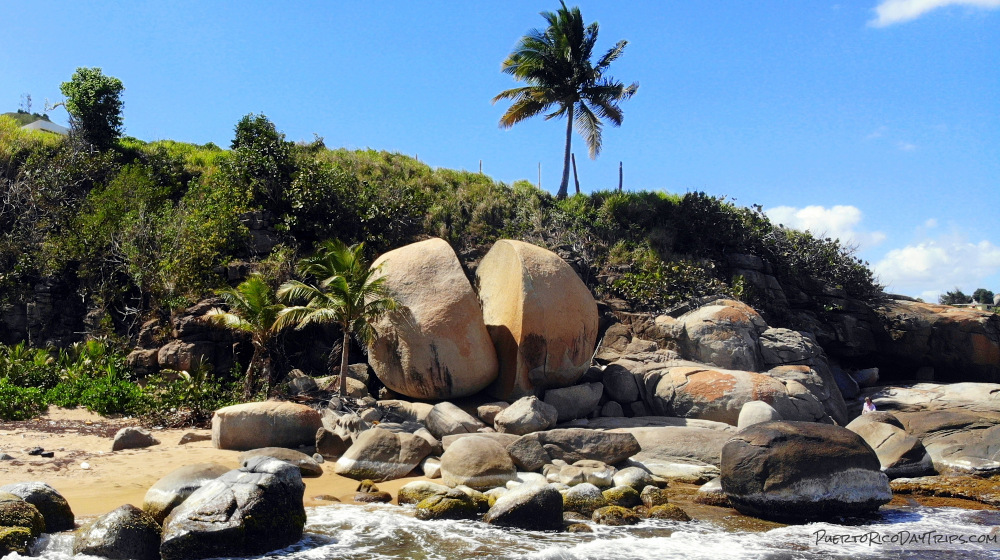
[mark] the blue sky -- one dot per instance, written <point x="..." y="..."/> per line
<point x="877" y="121"/>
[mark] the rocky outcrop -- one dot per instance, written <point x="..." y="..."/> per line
<point x="959" y="344"/>
<point x="535" y="508"/>
<point x="50" y="503"/>
<point x="802" y="470"/>
<point x="308" y="467"/>
<point x="171" y="490"/>
<point x="526" y="415"/>
<point x="575" y="444"/>
<point x="435" y="345"/>
<point x="125" y="533"/>
<point x="723" y="333"/>
<point x="541" y="317"/>
<point x="264" y="424"/>
<point x="447" y="419"/>
<point x="900" y="454"/>
<point x="577" y="401"/>
<point x="756" y="412"/>
<point x="244" y="512"/>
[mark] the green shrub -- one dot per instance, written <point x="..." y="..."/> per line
<point x="20" y="403"/>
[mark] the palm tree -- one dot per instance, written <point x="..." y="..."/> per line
<point x="555" y="62"/>
<point x="253" y="309"/>
<point x="348" y="293"/>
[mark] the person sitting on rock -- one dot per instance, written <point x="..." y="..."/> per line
<point x="868" y="407"/>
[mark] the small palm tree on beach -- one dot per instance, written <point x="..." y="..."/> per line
<point x="253" y="309"/>
<point x="555" y="62"/>
<point x="347" y="292"/>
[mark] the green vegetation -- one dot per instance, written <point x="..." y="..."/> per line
<point x="956" y="297"/>
<point x="346" y="292"/>
<point x="23" y="117"/>
<point x="93" y="374"/>
<point x="555" y="62"/>
<point x="94" y="104"/>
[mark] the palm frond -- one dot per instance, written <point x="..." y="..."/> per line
<point x="589" y="126"/>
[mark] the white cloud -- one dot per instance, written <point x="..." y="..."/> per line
<point x="889" y="12"/>
<point x="934" y="266"/>
<point x="877" y="133"/>
<point x="906" y="146"/>
<point x="839" y="222"/>
<point x="931" y="223"/>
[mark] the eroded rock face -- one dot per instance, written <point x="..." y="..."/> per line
<point x="542" y="318"/>
<point x="724" y="334"/>
<point x="802" y="470"/>
<point x="264" y="424"/>
<point x="435" y="346"/>
<point x="900" y="454"/>
<point x="244" y="512"/>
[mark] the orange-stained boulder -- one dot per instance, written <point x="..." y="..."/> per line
<point x="435" y="346"/>
<point x="541" y="316"/>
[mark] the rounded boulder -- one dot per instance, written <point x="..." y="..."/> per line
<point x="254" y="425"/>
<point x="124" y="533"/>
<point x="477" y="462"/>
<point x="435" y="344"/>
<point x="171" y="490"/>
<point x="542" y="318"/>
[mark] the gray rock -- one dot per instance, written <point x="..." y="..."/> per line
<point x="478" y="462"/>
<point x="712" y="494"/>
<point x="576" y="401"/>
<point x="371" y="415"/>
<point x="612" y="409"/>
<point x="535" y="508"/>
<point x="900" y="455"/>
<point x="802" y="470"/>
<point x="299" y="382"/>
<point x="192" y="437"/>
<point x="331" y="444"/>
<point x="723" y="333"/>
<point x="125" y="533"/>
<point x="528" y="454"/>
<point x="133" y="438"/>
<point x="488" y="412"/>
<point x="756" y="412"/>
<point x="575" y="444"/>
<point x="171" y="490"/>
<point x="453" y="504"/>
<point x="381" y="455"/>
<point x="431" y="466"/>
<point x="502" y="439"/>
<point x="620" y="384"/>
<point x="50" y="503"/>
<point x="526" y="415"/>
<point x="583" y="499"/>
<point x="6" y="457"/>
<point x="784" y="346"/>
<point x="244" y="512"/>
<point x="308" y="467"/>
<point x="633" y="476"/>
<point x="865" y="377"/>
<point x="585" y="471"/>
<point x="447" y="419"/>
<point x="419" y="490"/>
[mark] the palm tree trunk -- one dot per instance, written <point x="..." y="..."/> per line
<point x="564" y="185"/>
<point x="249" y="382"/>
<point x="344" y="350"/>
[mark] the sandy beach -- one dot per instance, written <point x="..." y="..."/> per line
<point x="79" y="437"/>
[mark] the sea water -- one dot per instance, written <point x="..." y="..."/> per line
<point x="384" y="532"/>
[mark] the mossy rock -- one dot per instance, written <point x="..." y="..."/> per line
<point x="453" y="505"/>
<point x="418" y="491"/>
<point x="652" y="496"/>
<point x="580" y="528"/>
<point x="377" y="497"/>
<point x="668" y="512"/>
<point x="15" y="539"/>
<point x="624" y="496"/>
<point x="53" y="507"/>
<point x="15" y="512"/>
<point x="616" y="515"/>
<point x="583" y="499"/>
<point x="126" y="533"/>
<point x="481" y="500"/>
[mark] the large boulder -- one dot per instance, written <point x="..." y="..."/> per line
<point x="264" y="424"/>
<point x="477" y="462"/>
<point x="576" y="444"/>
<point x="723" y="334"/>
<point x="577" y="401"/>
<point x="133" y="438"/>
<point x="435" y="345"/>
<point x="50" y="503"/>
<point x="900" y="454"/>
<point x="446" y="419"/>
<point x="381" y="455"/>
<point x="526" y="415"/>
<point x="245" y="512"/>
<point x="15" y="512"/>
<point x="756" y="412"/>
<point x="176" y="486"/>
<point x="542" y="318"/>
<point x="125" y="533"/>
<point x="532" y="507"/>
<point x="802" y="470"/>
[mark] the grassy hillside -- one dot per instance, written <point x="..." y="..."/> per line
<point x="23" y="118"/>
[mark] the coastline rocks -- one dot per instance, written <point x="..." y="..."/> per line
<point x="15" y="512"/>
<point x="688" y="452"/>
<point x="615" y="516"/>
<point x="575" y="444"/>
<point x="756" y="412"/>
<point x="526" y="415"/>
<point x="453" y="504"/>
<point x="15" y="539"/>
<point x="248" y="426"/>
<point x="635" y="477"/>
<point x="900" y="454"/>
<point x="125" y="533"/>
<point x="477" y="462"/>
<point x="584" y="499"/>
<point x="133" y="438"/>
<point x="802" y="470"/>
<point x="418" y="491"/>
<point x="248" y="511"/>
<point x="50" y="503"/>
<point x="584" y="471"/>
<point x="541" y="317"/>
<point x="723" y="334"/>
<point x="381" y="455"/>
<point x="171" y="490"/>
<point x="668" y="512"/>
<point x="446" y="419"/>
<point x="308" y="467"/>
<point x="624" y="496"/>
<point x="435" y="345"/>
<point x="531" y="507"/>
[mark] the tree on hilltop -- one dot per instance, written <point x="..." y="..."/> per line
<point x="956" y="297"/>
<point x="94" y="104"/>
<point x="982" y="295"/>
<point x="555" y="62"/>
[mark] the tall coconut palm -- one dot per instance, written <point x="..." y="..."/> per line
<point x="555" y="62"/>
<point x="347" y="293"/>
<point x="253" y="309"/>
